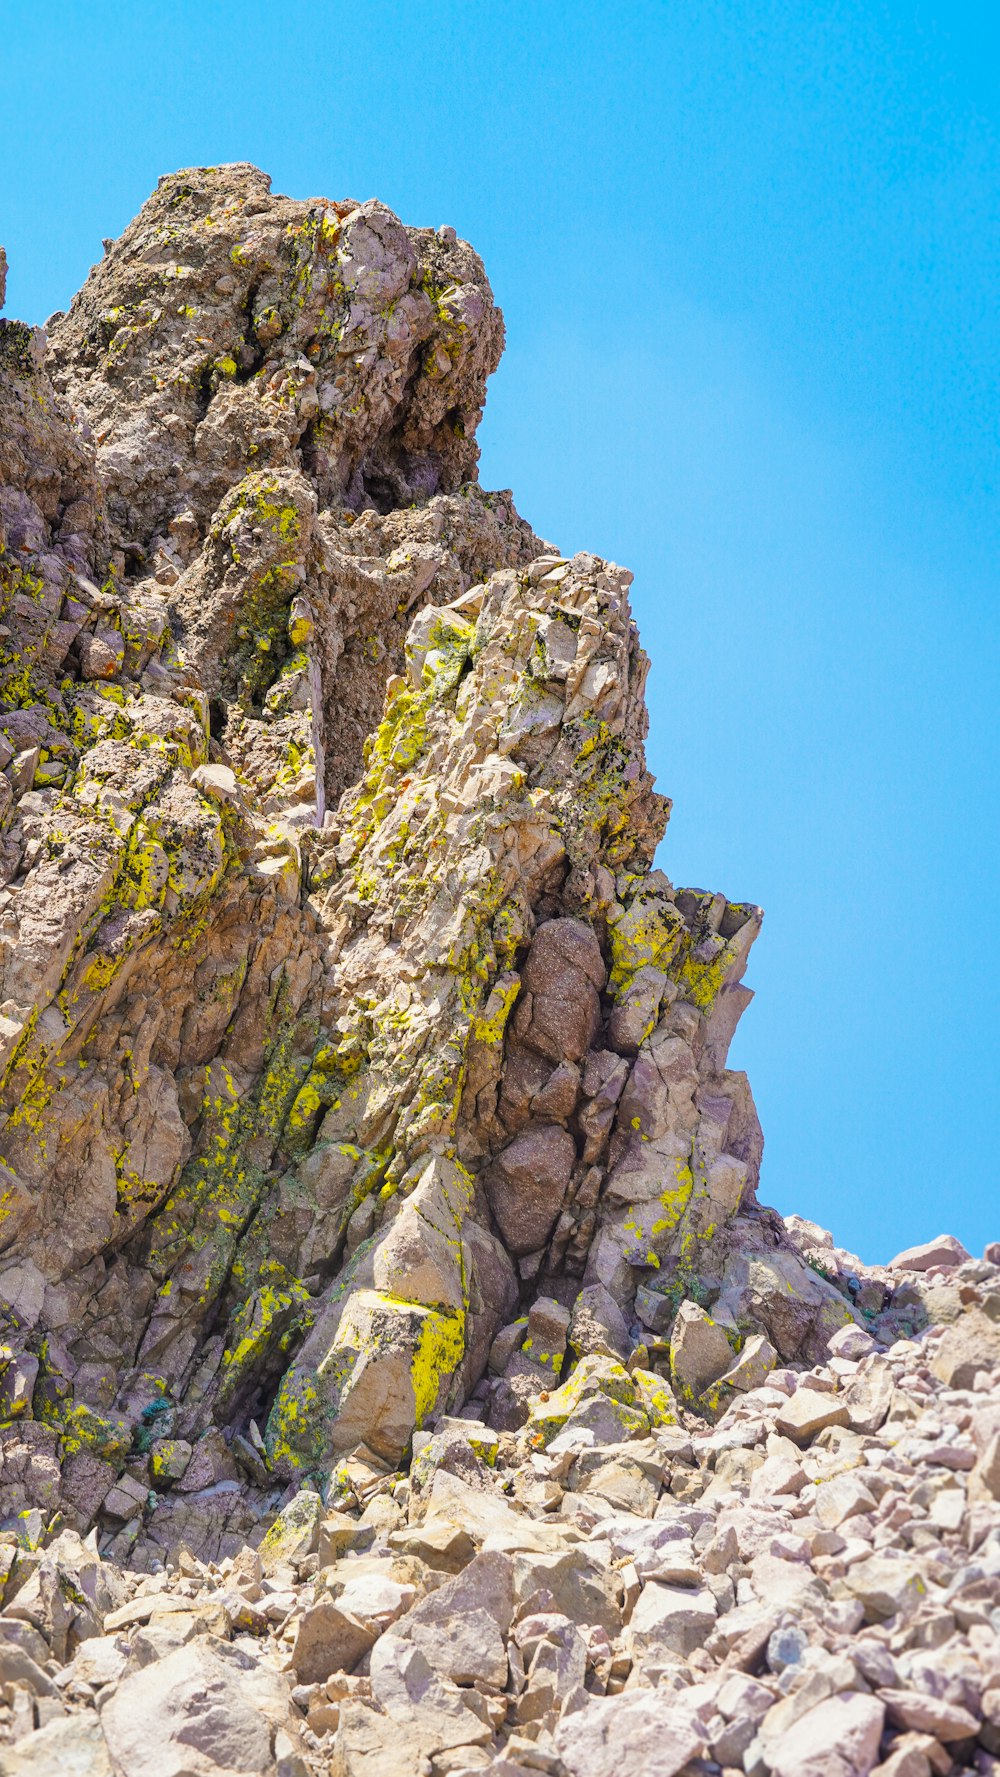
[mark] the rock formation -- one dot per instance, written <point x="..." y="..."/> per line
<point x="368" y="1150"/>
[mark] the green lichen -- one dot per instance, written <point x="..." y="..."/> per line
<point x="646" y="934"/>
<point x="440" y="1349"/>
<point x="655" y="1397"/>
<point x="549" y="1412"/>
<point x="274" y="1316"/>
<point x="220" y="1189"/>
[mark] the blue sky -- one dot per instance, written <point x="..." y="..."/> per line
<point x="747" y="255"/>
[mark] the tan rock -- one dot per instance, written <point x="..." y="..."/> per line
<point x="887" y="1585"/>
<point x="431" y="1710"/>
<point x="840" y="1498"/>
<point x="670" y="1620"/>
<point x="71" y="1745"/>
<point x="944" y="1251"/>
<point x="754" y="1363"/>
<point x="699" y="1351"/>
<point x="461" y="1628"/>
<point x="971" y="1345"/>
<point x="929" y="1715"/>
<point x="329" y="1639"/>
<point x="203" y="1707"/>
<point x="807" y="1412"/>
<point x="660" y="1740"/>
<point x="839" y="1738"/>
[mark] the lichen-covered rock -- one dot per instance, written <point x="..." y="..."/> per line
<point x="699" y="1351"/>
<point x="357" y="1067"/>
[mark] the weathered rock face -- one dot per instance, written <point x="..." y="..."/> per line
<point x="344" y="1016"/>
<point x="365" y="1108"/>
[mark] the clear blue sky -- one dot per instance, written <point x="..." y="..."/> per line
<point x="747" y="254"/>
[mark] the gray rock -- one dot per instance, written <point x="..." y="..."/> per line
<point x="786" y="1647"/>
<point x="597" y="1325"/>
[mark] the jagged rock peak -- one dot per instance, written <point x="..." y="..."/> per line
<point x="344" y="1013"/>
<point x="366" y="1125"/>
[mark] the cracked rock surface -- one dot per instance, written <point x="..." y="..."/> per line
<point x="398" y="1371"/>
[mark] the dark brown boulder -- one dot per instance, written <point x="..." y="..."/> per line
<point x="527" y="1183"/>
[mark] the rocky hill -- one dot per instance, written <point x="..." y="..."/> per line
<point x="399" y="1372"/>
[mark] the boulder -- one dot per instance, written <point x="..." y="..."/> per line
<point x="840" y="1498"/>
<point x="574" y="1583"/>
<point x="429" y="1710"/>
<point x="462" y="1626"/>
<point x="597" y="1325"/>
<point x="329" y="1638"/>
<point x="970" y="1345"/>
<point x="699" y="1351"/>
<point x="754" y="1363"/>
<point x="204" y="1708"/>
<point x="808" y="1412"/>
<point x="69" y="1746"/>
<point x="851" y="1342"/>
<point x="868" y="1399"/>
<point x="886" y="1585"/>
<point x="945" y="1251"/>
<point x="839" y="1738"/>
<point x="527" y="1183"/>
<point x="927" y="1714"/>
<point x="640" y="1725"/>
<point x="670" y="1620"/>
<point x="368" y="1743"/>
<point x="560" y="1012"/>
<point x="294" y="1534"/>
<point x="599" y="1397"/>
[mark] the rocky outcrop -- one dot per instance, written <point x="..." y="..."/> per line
<point x="365" y="1109"/>
<point x="343" y="1011"/>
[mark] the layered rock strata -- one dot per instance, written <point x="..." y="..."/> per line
<point x="362" y="1076"/>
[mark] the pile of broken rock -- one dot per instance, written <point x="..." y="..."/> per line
<point x="809" y="1587"/>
